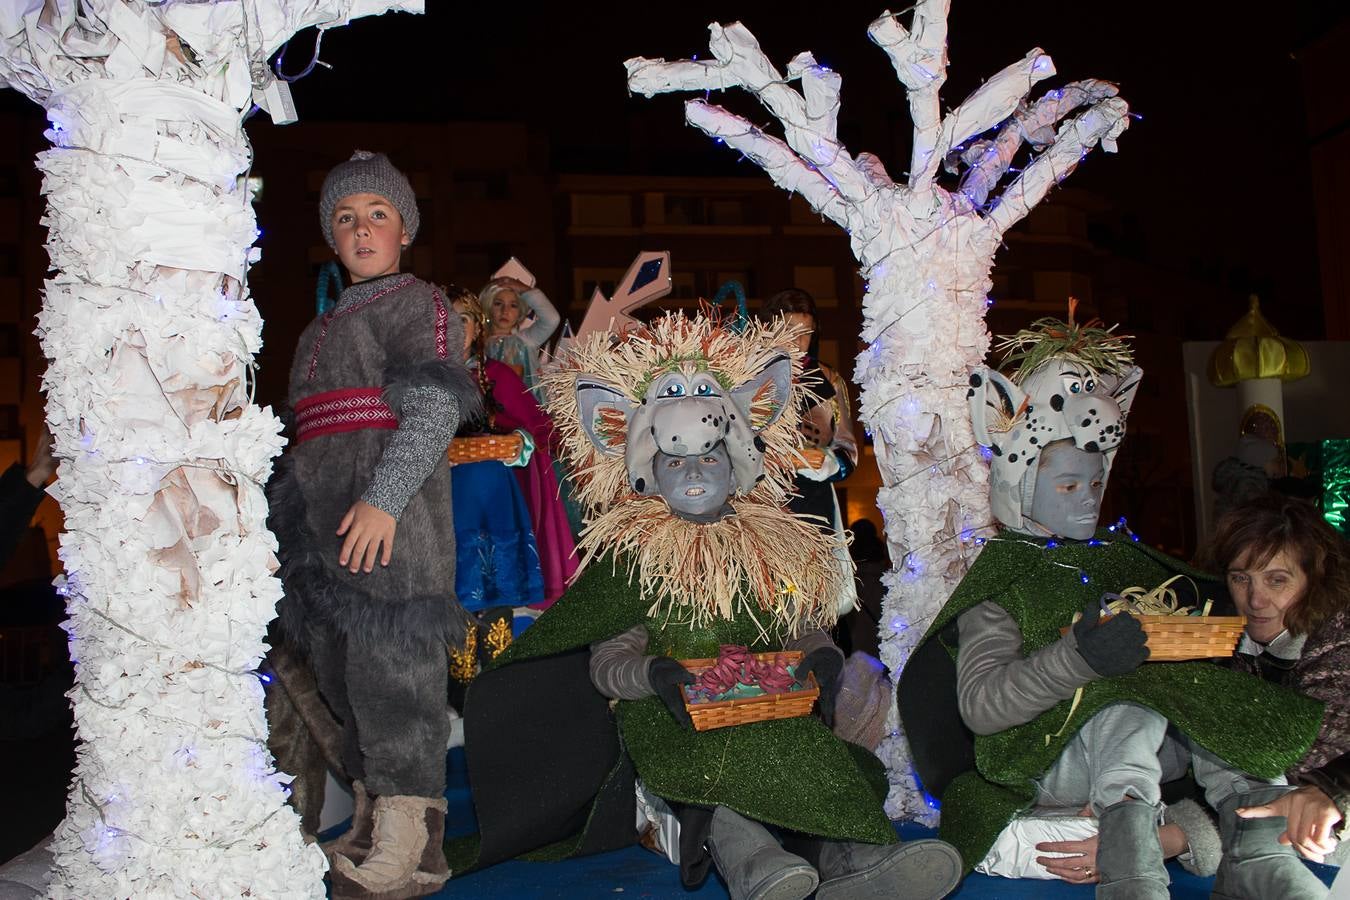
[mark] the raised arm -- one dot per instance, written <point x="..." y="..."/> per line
<point x="546" y="318"/>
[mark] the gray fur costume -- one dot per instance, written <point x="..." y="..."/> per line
<point x="377" y="640"/>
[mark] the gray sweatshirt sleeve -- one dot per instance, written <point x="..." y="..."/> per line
<point x="619" y="665"/>
<point x="813" y="640"/>
<point x="546" y="319"/>
<point x="429" y="417"/>
<point x="997" y="688"/>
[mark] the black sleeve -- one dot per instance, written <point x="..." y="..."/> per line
<point x="18" y="501"/>
<point x="940" y="743"/>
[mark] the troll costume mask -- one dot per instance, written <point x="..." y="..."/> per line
<point x="1072" y="383"/>
<point x="683" y="437"/>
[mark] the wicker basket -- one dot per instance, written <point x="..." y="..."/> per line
<point x="1175" y="638"/>
<point x="485" y="447"/>
<point x="1178" y="638"/>
<point x="721" y="713"/>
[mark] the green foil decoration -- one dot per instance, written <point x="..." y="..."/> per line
<point x="1336" y="484"/>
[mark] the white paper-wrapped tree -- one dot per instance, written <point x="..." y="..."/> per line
<point x="150" y="333"/>
<point x="926" y="250"/>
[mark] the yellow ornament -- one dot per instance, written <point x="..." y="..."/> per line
<point x="1254" y="349"/>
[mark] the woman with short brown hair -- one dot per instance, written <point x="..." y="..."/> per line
<point x="1289" y="574"/>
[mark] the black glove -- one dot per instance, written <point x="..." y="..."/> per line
<point x="1117" y="646"/>
<point x="826" y="663"/>
<point x="666" y="676"/>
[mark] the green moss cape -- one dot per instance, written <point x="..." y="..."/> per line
<point x="1257" y="727"/>
<point x="533" y="719"/>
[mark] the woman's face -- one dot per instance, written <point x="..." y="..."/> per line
<point x="505" y="312"/>
<point x="1265" y="595"/>
<point x="470" y="327"/>
<point x="802" y="320"/>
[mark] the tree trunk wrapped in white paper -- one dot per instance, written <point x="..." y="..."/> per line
<point x="926" y="252"/>
<point x="150" y="333"/>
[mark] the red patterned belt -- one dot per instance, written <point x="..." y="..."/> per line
<point x="350" y="409"/>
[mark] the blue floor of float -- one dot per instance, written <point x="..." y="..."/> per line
<point x="639" y="873"/>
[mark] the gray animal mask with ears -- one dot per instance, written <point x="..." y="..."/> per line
<point x="1059" y="400"/>
<point x="686" y="411"/>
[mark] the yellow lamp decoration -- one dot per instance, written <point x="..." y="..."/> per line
<point x="1257" y="361"/>
<point x="1254" y="349"/>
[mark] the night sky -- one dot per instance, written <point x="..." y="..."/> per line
<point x="1212" y="181"/>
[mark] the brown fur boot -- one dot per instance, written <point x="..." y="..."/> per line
<point x="406" y="859"/>
<point x="354" y="843"/>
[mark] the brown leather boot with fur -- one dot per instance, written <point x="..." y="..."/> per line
<point x="406" y="859"/>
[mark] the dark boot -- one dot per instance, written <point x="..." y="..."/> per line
<point x="753" y="864"/>
<point x="1255" y="864"/>
<point x="354" y="843"/>
<point x="917" y="870"/>
<point x="1129" y="856"/>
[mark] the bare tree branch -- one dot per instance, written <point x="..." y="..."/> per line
<point x="874" y="170"/>
<point x="989" y="160"/>
<point x="919" y="57"/>
<point x="742" y="63"/>
<point x="787" y="170"/>
<point x="820" y="88"/>
<point x="659" y="76"/>
<point x="1102" y="123"/>
<point x="994" y="101"/>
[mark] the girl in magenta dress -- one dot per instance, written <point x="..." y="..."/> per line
<point x="516" y="409"/>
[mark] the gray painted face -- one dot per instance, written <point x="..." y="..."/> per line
<point x="1068" y="494"/>
<point x="695" y="487"/>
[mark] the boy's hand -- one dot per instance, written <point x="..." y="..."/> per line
<point x="43" y="464"/>
<point x="367" y="528"/>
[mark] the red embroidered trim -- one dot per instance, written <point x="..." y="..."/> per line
<point x="329" y="316"/>
<point x="442" y="319"/>
<point x="349" y="409"/>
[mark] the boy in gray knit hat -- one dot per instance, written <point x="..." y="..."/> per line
<point x="361" y="507"/>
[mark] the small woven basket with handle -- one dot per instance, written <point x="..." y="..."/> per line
<point x="1179" y="638"/>
<point x="721" y="713"/>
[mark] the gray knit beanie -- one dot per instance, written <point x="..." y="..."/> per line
<point x="367" y="173"/>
